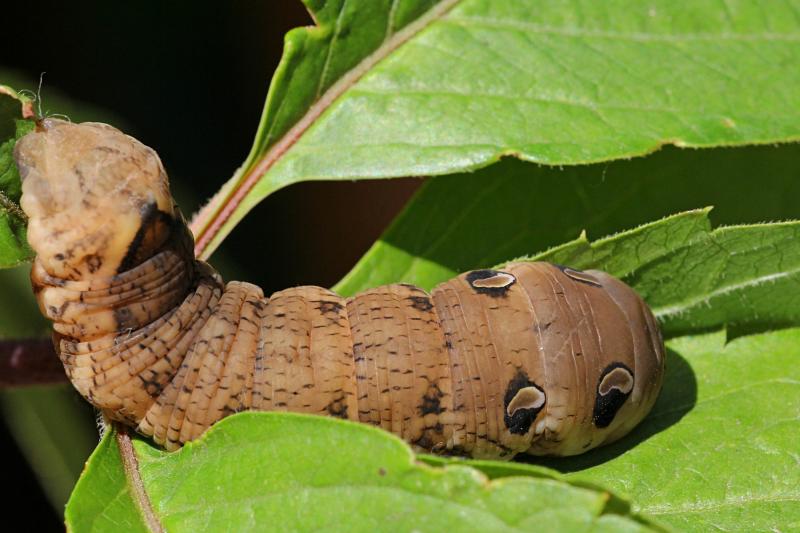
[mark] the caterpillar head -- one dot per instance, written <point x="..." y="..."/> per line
<point x="98" y="200"/>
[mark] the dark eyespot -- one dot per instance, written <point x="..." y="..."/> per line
<point x="523" y="401"/>
<point x="613" y="388"/>
<point x="491" y="282"/>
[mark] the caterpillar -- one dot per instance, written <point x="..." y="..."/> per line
<point x="533" y="358"/>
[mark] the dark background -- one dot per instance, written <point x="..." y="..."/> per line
<point x="190" y="80"/>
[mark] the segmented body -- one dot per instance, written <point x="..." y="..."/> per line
<point x="532" y="358"/>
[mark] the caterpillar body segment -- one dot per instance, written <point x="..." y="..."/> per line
<point x="534" y="358"/>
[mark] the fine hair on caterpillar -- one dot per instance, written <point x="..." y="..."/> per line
<point x="532" y="358"/>
<point x="37" y="98"/>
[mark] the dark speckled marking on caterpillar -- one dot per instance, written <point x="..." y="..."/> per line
<point x="533" y="358"/>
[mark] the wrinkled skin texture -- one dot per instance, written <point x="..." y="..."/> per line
<point x="535" y="358"/>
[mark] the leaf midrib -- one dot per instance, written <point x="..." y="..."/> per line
<point x="576" y="31"/>
<point x="677" y="309"/>
<point x="206" y="231"/>
<point x="134" y="482"/>
<point x="703" y="507"/>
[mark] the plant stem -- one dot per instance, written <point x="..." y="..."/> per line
<point x="26" y="362"/>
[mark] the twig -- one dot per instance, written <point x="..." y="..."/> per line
<point x="25" y="362"/>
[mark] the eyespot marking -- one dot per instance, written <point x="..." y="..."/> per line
<point x="579" y="276"/>
<point x="618" y="378"/>
<point x="498" y="281"/>
<point x="526" y="398"/>
<point x="613" y="388"/>
<point x="523" y="401"/>
<point x="491" y="282"/>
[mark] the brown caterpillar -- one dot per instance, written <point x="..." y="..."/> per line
<point x="535" y="358"/>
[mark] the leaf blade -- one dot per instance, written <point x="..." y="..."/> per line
<point x="15" y="110"/>
<point x="704" y="459"/>
<point x="718" y="466"/>
<point x="303" y="49"/>
<point x="246" y="474"/>
<point x="462" y="222"/>
<point x="102" y="499"/>
<point x="543" y="102"/>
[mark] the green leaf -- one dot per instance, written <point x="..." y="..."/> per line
<point x="457" y="223"/>
<point x="493" y="469"/>
<point x="102" y="499"/>
<point x="719" y="450"/>
<point x="315" y="58"/>
<point x="15" y="110"/>
<point x="712" y="453"/>
<point x="746" y="278"/>
<point x="470" y="81"/>
<point x="288" y="472"/>
<point x="626" y="252"/>
<point x="728" y="458"/>
<point x="743" y="277"/>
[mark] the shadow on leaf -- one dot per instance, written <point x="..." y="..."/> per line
<point x="678" y="397"/>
